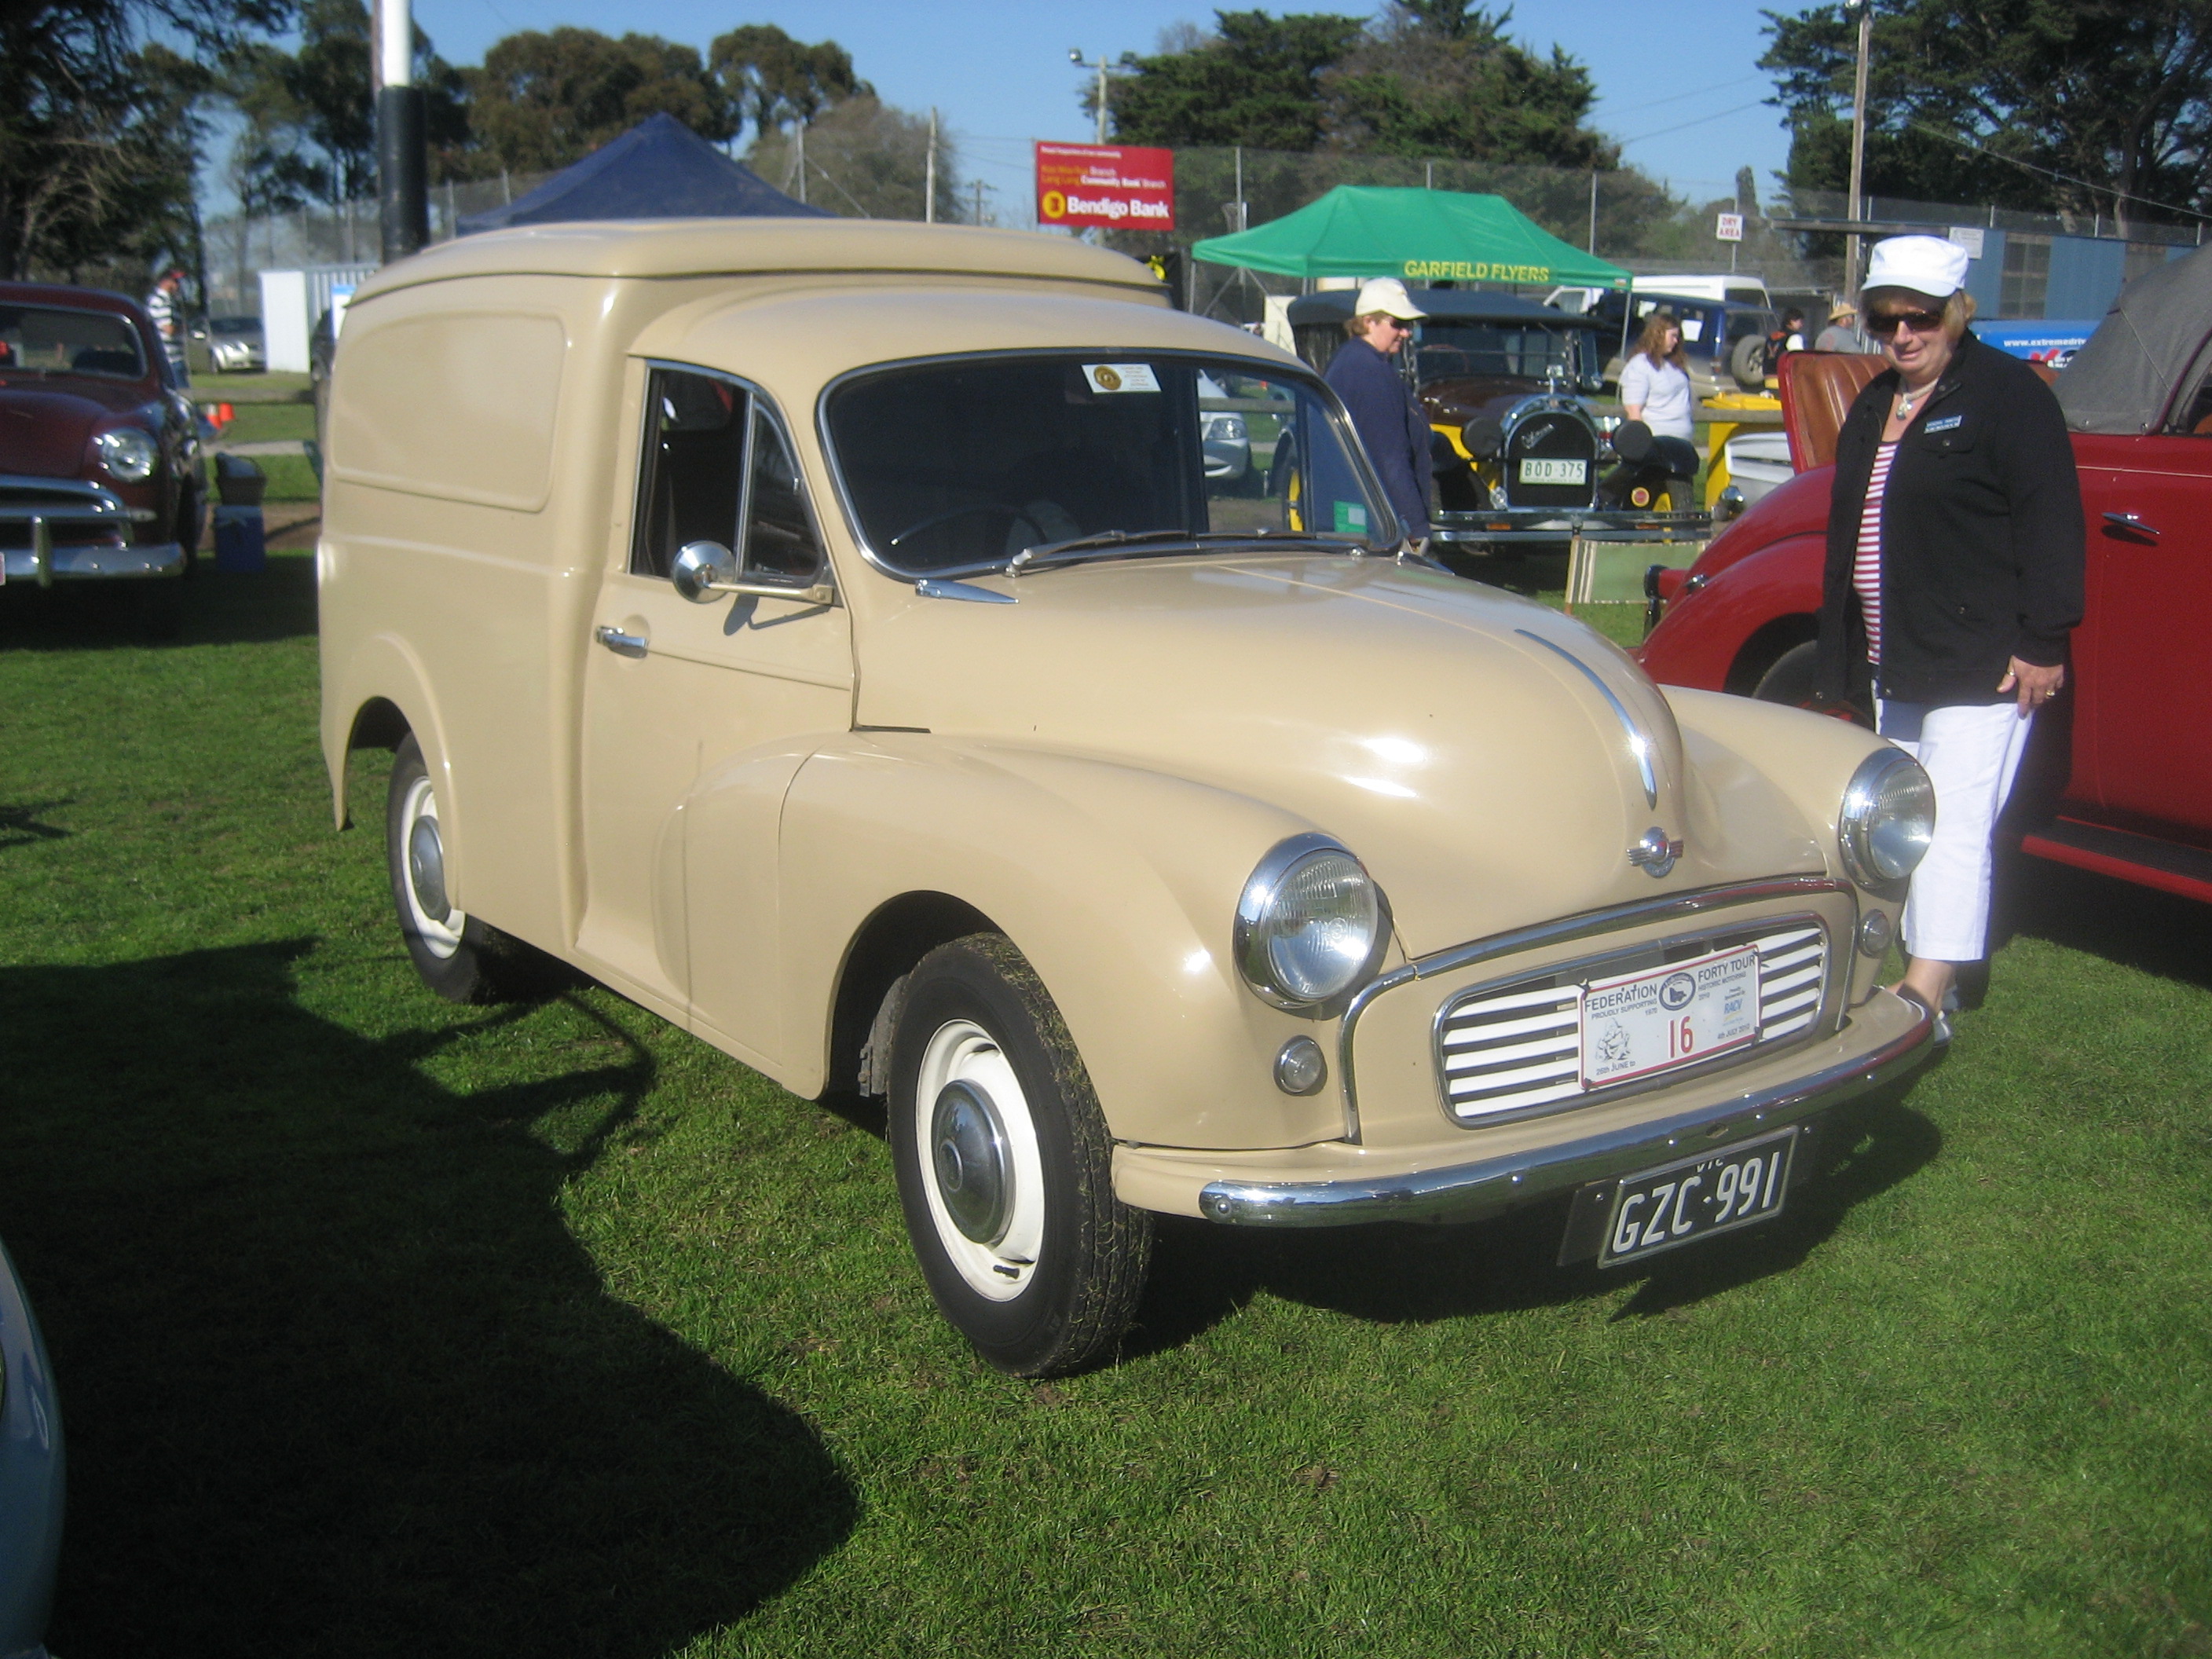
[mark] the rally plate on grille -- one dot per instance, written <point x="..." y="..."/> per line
<point x="1521" y="1046"/>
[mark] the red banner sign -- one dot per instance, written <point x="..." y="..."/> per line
<point x="1113" y="186"/>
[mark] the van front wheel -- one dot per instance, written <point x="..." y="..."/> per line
<point x="1005" y="1166"/>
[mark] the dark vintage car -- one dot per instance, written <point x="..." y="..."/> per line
<point x="2122" y="774"/>
<point x="1521" y="456"/>
<point x="101" y="476"/>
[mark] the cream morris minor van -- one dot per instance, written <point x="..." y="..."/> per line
<point x="844" y="640"/>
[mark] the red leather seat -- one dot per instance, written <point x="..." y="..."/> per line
<point x="1818" y="389"/>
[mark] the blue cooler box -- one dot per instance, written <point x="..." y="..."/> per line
<point x="239" y="545"/>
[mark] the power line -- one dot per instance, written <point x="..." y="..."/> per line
<point x="1699" y="122"/>
<point x="2049" y="173"/>
<point x="1631" y="109"/>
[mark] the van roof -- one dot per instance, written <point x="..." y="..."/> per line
<point x="712" y="247"/>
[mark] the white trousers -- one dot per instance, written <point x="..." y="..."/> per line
<point x="1970" y="755"/>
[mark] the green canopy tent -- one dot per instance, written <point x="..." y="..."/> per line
<point x="1420" y="235"/>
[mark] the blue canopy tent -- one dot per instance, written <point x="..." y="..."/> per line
<point x="660" y="169"/>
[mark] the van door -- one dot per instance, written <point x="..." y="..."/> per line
<point x="673" y="687"/>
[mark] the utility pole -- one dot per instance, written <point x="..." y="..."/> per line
<point x="979" y="201"/>
<point x="802" y="162"/>
<point x="1864" y="10"/>
<point x="403" y="149"/>
<point x="1075" y="55"/>
<point x="929" y="174"/>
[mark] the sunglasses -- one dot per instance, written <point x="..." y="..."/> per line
<point x="1882" y="324"/>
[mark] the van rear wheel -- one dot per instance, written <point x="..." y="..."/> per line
<point x="458" y="956"/>
<point x="1005" y="1166"/>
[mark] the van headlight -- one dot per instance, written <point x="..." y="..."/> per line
<point x="127" y="454"/>
<point x="1310" y="926"/>
<point x="1888" y="817"/>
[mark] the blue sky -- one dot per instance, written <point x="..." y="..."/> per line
<point x="1685" y="93"/>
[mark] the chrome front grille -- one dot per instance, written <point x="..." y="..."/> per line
<point x="1517" y="1046"/>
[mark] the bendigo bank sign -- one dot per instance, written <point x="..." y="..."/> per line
<point x="1114" y="187"/>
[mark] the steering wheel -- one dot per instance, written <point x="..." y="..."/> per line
<point x="1011" y="514"/>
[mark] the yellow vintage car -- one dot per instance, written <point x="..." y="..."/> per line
<point x="851" y="641"/>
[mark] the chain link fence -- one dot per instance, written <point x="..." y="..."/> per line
<point x="1622" y="216"/>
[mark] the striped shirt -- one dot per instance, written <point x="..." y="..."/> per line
<point x="1866" y="564"/>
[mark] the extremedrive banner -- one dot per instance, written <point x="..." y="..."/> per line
<point x="1113" y="186"/>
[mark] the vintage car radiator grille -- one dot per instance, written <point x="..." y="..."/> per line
<point x="1521" y="1047"/>
<point x="1551" y="435"/>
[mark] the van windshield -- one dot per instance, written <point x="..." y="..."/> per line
<point x="963" y="466"/>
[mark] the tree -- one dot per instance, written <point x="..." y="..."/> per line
<point x="101" y="127"/>
<point x="1440" y="78"/>
<point x="545" y="100"/>
<point x="1987" y="103"/>
<point x="774" y="80"/>
<point x="863" y="159"/>
<point x="1256" y="80"/>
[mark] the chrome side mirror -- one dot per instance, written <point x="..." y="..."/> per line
<point x="703" y="570"/>
<point x="702" y="566"/>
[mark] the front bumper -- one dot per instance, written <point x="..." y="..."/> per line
<point x="1885" y="1038"/>
<point x="96" y="562"/>
<point x="72" y="531"/>
<point x="1552" y="524"/>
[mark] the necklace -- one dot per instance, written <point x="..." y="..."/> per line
<point x="1905" y="400"/>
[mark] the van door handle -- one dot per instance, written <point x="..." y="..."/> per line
<point x="2132" y="524"/>
<point x="622" y="644"/>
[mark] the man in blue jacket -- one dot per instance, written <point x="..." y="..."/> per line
<point x="1390" y="424"/>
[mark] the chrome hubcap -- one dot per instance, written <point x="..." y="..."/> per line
<point x="425" y="868"/>
<point x="970" y="1151"/>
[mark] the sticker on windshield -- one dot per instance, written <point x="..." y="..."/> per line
<point x="1351" y="518"/>
<point x="1120" y="377"/>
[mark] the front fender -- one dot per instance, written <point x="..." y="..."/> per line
<point x="1699" y="639"/>
<point x="382" y="666"/>
<point x="1120" y="886"/>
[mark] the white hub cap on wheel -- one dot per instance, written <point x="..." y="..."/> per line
<point x="422" y="854"/>
<point x="977" y="1148"/>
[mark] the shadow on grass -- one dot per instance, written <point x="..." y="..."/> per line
<point x="2138" y="927"/>
<point x="1203" y="1273"/>
<point x="219" y="607"/>
<point x="19" y="826"/>
<point x="336" y="1378"/>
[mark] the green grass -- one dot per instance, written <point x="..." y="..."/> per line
<point x="384" y="1326"/>
<point x="291" y="478"/>
<point x="260" y="422"/>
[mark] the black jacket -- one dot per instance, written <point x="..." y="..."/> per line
<point x="1391" y="427"/>
<point x="1982" y="537"/>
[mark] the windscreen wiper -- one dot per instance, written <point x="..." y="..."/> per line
<point x="1159" y="543"/>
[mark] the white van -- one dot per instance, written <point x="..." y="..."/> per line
<point x="1726" y="287"/>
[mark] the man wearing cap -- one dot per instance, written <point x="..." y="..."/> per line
<point x="1842" y="333"/>
<point x="1953" y="579"/>
<point x="1391" y="426"/>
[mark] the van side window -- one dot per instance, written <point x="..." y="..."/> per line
<point x="780" y="540"/>
<point x="694" y="467"/>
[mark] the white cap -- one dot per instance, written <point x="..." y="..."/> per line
<point x="1388" y="296"/>
<point x="1926" y="264"/>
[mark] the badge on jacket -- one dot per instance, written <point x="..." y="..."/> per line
<point x="1945" y="424"/>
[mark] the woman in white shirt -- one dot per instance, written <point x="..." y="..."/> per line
<point x="1655" y="382"/>
<point x="1654" y="389"/>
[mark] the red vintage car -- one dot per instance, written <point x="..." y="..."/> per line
<point x="2125" y="769"/>
<point x="100" y="478"/>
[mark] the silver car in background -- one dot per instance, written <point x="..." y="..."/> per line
<point x="31" y="1471"/>
<point x="236" y="345"/>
